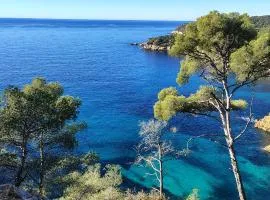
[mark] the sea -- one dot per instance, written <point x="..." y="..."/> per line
<point x="118" y="84"/>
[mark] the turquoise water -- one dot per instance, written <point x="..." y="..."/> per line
<point x="118" y="84"/>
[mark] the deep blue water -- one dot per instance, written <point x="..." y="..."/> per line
<point x="118" y="85"/>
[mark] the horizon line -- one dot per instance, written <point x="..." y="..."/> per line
<point x="84" y="19"/>
<point x="104" y="19"/>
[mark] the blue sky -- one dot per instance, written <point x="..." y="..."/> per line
<point x="128" y="9"/>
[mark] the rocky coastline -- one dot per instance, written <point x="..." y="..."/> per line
<point x="161" y="43"/>
<point x="152" y="47"/>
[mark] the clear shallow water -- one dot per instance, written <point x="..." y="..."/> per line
<point x="118" y="84"/>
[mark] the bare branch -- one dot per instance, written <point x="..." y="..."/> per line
<point x="250" y="118"/>
<point x="204" y="135"/>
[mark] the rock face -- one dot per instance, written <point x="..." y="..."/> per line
<point x="264" y="124"/>
<point x="153" y="47"/>
<point x="161" y="43"/>
<point x="10" y="192"/>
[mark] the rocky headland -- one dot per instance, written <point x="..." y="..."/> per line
<point x="161" y="43"/>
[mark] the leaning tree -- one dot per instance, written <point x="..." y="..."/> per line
<point x="228" y="53"/>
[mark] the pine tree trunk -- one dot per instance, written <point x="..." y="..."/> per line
<point x="225" y="114"/>
<point x="230" y="144"/>
<point x="41" y="173"/>
<point x="160" y="173"/>
<point x="19" y="177"/>
<point x="237" y="176"/>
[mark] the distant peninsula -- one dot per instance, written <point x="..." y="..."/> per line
<point x="164" y="43"/>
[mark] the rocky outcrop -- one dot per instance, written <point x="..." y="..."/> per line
<point x="267" y="148"/>
<point x="161" y="43"/>
<point x="10" y="192"/>
<point x="264" y="124"/>
<point x="153" y="47"/>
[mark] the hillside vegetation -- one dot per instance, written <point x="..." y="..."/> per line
<point x="261" y="21"/>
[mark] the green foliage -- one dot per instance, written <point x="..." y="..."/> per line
<point x="41" y="117"/>
<point x="166" y="40"/>
<point x="166" y="92"/>
<point x="181" y="28"/>
<point x="239" y="104"/>
<point x="67" y="136"/>
<point x="227" y="52"/>
<point x="212" y="32"/>
<point x="61" y="166"/>
<point x="252" y="61"/>
<point x="91" y="185"/>
<point x="167" y="106"/>
<point x="162" y="41"/>
<point x="188" y="67"/>
<point x="172" y="102"/>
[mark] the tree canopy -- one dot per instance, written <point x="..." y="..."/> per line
<point x="35" y="120"/>
<point x="215" y="47"/>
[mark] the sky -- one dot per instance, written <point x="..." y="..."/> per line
<point x="127" y="9"/>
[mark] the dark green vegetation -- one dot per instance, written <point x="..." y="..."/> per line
<point x="36" y="123"/>
<point x="163" y="41"/>
<point x="228" y="52"/>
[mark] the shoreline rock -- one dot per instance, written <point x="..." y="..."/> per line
<point x="263" y="124"/>
<point x="161" y="43"/>
<point x="153" y="47"/>
<point x="267" y="148"/>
